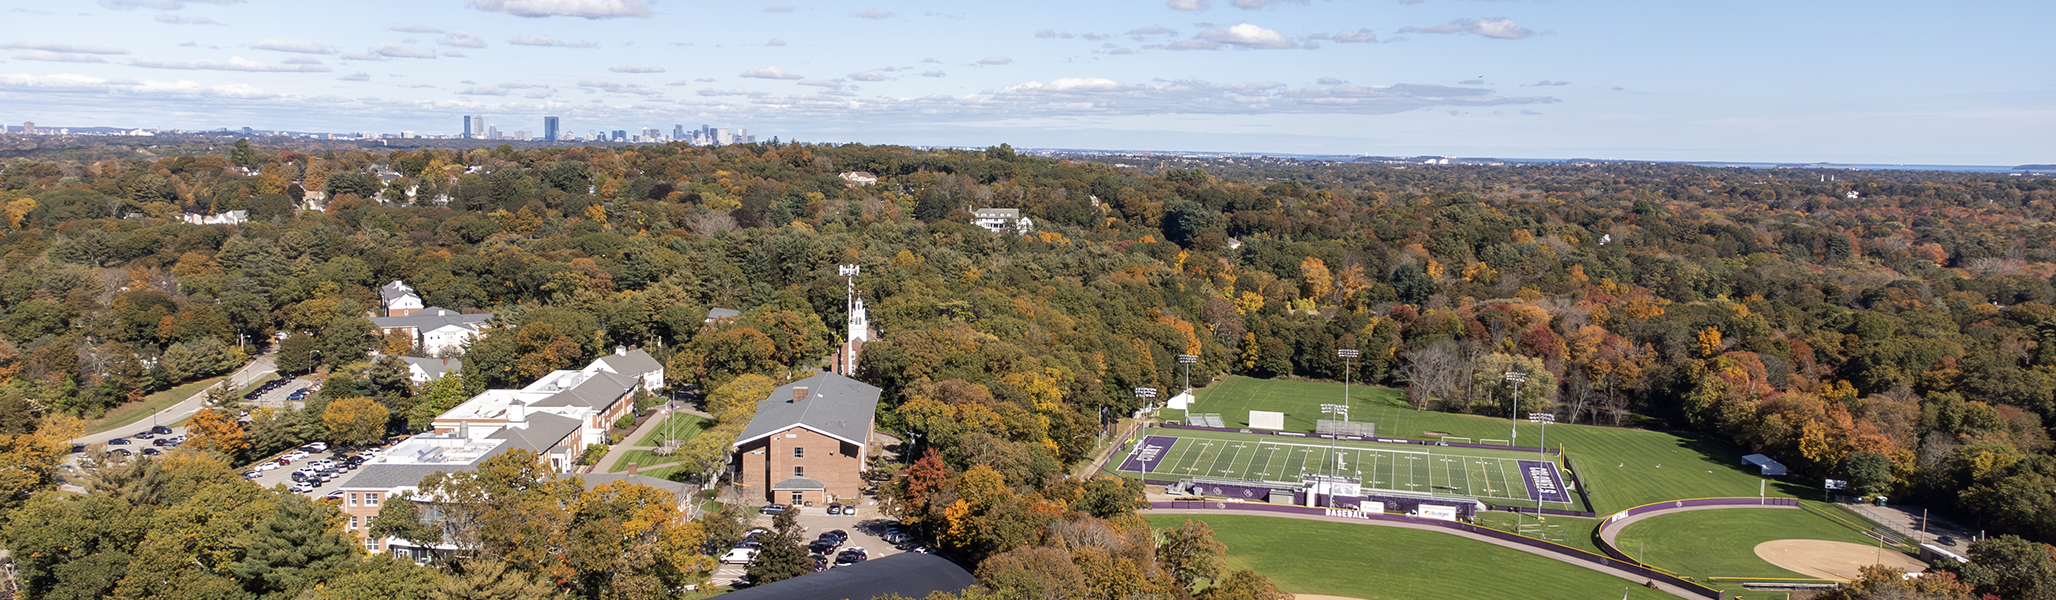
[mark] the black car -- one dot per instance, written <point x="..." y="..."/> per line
<point x="822" y="546"/>
<point x="850" y="557"/>
<point x="151" y="452"/>
<point x="160" y="429"/>
<point x="838" y="535"/>
<point x="78" y="448"/>
<point x="145" y="435"/>
<point x="118" y="442"/>
<point x="121" y="451"/>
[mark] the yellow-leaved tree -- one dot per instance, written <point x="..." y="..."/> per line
<point x="354" y="420"/>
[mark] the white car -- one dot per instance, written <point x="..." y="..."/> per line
<point x="739" y="556"/>
<point x="301" y="488"/>
<point x="268" y="466"/>
<point x="315" y="447"/>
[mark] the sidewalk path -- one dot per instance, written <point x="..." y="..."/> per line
<point x="1905" y="520"/>
<point x="245" y="376"/>
<point x="1623" y="574"/>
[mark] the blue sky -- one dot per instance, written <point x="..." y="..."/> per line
<point x="1862" y="82"/>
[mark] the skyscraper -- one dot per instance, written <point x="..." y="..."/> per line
<point x="467" y="127"/>
<point x="549" y="129"/>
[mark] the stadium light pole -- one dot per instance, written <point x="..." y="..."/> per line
<point x="1187" y="360"/>
<point x="1544" y="419"/>
<point x="1347" y="356"/>
<point x="1516" y="377"/>
<point x="849" y="309"/>
<point x="1146" y="393"/>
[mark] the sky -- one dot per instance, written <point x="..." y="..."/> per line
<point x="1894" y="82"/>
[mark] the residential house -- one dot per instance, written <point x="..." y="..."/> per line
<point x="716" y="314"/>
<point x="860" y="178"/>
<point x="424" y="370"/>
<point x="1002" y="220"/>
<point x="233" y="217"/>
<point x="398" y="299"/>
<point x="436" y="331"/>
<point x="808" y="441"/>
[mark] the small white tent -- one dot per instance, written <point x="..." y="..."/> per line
<point x="1765" y="463"/>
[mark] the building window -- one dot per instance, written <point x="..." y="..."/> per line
<point x="353" y="498"/>
<point x="799" y="452"/>
<point x="353" y="521"/>
<point x="371" y="499"/>
<point x="371" y="544"/>
<point x="798" y="497"/>
<point x="799" y="471"/>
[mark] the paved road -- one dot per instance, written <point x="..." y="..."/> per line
<point x="1623" y="574"/>
<point x="1906" y="520"/>
<point x="864" y="529"/>
<point x="249" y="374"/>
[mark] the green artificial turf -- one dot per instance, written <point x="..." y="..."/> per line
<point x="1722" y="543"/>
<point x="1575" y="532"/>
<point x="681" y="426"/>
<point x="1376" y="563"/>
<point x="1623" y="468"/>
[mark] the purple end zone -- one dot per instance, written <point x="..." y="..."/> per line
<point x="1543" y="481"/>
<point x="1148" y="453"/>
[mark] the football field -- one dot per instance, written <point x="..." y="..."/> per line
<point x="1500" y="477"/>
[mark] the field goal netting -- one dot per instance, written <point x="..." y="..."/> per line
<point x="1456" y="440"/>
<point x="1330" y="427"/>
<point x="1204" y="420"/>
<point x="1493" y="442"/>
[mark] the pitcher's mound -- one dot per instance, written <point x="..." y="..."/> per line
<point x="1832" y="560"/>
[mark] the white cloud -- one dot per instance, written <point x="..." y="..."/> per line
<point x="1191" y="5"/>
<point x="47" y="56"/>
<point x="357" y="76"/>
<point x="185" y="20"/>
<point x="299" y="46"/>
<point x="1545" y="82"/>
<point x="931" y="60"/>
<point x="544" y="40"/>
<point x="778" y="9"/>
<point x="361" y="56"/>
<point x="65" y="48"/>
<point x="462" y="39"/>
<point x="234" y="64"/>
<point x="1152" y="30"/>
<point x="1256" y="4"/>
<point x="620" y="88"/>
<point x="414" y="28"/>
<point x="635" y="68"/>
<point x="771" y="73"/>
<point x="868" y="76"/>
<point x="822" y="83"/>
<point x="995" y="60"/>
<point x="454" y="53"/>
<point x="1330" y="81"/>
<point x="300" y="60"/>
<point x="1491" y="27"/>
<point x="1360" y="36"/>
<point x="933" y="74"/>
<point x="588" y="9"/>
<point x="1248" y="36"/>
<point x="539" y="94"/>
<point x="872" y="13"/>
<point x="711" y="92"/>
<point x="393" y="50"/>
<point x="1471" y="82"/>
<point x="1193" y="45"/>
<point x="482" y="90"/>
<point x="775" y="42"/>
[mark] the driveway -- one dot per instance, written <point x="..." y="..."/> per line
<point x="243" y="377"/>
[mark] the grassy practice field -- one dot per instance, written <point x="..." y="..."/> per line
<point x="1365" y="561"/>
<point x="1722" y="543"/>
<point x="1492" y="475"/>
<point x="1622" y="468"/>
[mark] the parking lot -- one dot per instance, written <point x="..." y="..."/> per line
<point x="864" y="531"/>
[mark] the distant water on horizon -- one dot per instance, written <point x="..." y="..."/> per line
<point x="1874" y="167"/>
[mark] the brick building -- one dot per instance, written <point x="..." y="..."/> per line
<point x="808" y="441"/>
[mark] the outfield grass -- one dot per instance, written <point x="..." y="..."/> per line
<point x="1722" y="543"/>
<point x="1375" y="563"/>
<point x="683" y="425"/>
<point x="137" y="411"/>
<point x="1622" y="468"/>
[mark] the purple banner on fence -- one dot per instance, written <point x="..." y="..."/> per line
<point x="1543" y="481"/>
<point x="1148" y="453"/>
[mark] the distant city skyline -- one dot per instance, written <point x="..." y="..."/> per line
<point x="1838" y="81"/>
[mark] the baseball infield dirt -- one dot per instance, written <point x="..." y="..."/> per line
<point x="1831" y="560"/>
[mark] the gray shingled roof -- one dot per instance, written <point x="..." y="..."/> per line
<point x="634" y="362"/>
<point x="835" y="405"/>
<point x="798" y="483"/>
<point x="594" y="479"/>
<point x="428" y="319"/>
<point x="384" y="477"/>
<point x="911" y="575"/>
<point x="543" y="431"/>
<point x="393" y="291"/>
<point x="435" y="367"/>
<point x="722" y="313"/>
<point x="597" y="391"/>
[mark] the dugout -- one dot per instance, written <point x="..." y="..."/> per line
<point x="1765" y="465"/>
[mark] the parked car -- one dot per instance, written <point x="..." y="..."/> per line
<point x="78" y="448"/>
<point x="315" y="447"/>
<point x="838" y="535"/>
<point x="849" y="510"/>
<point x="301" y="488"/>
<point x="851" y="556"/>
<point x="162" y="442"/>
<point x="835" y="508"/>
<point x="335" y="495"/>
<point x="739" y="556"/>
<point x="120" y="451"/>
<point x="159" y="429"/>
<point x="152" y="452"/>
<point x="773" y="509"/>
<point x="822" y="546"/>
<point x="265" y="466"/>
<point x="145" y="435"/>
<point x="118" y="442"/>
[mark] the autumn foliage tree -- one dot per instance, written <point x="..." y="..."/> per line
<point x="354" y="420"/>
<point x="217" y="430"/>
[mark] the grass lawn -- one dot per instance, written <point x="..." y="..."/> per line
<point x="1722" y="543"/>
<point x="1623" y="467"/>
<point x="642" y="459"/>
<point x="683" y="426"/>
<point x="138" y="411"/>
<point x="1569" y="531"/>
<point x="1371" y="562"/>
